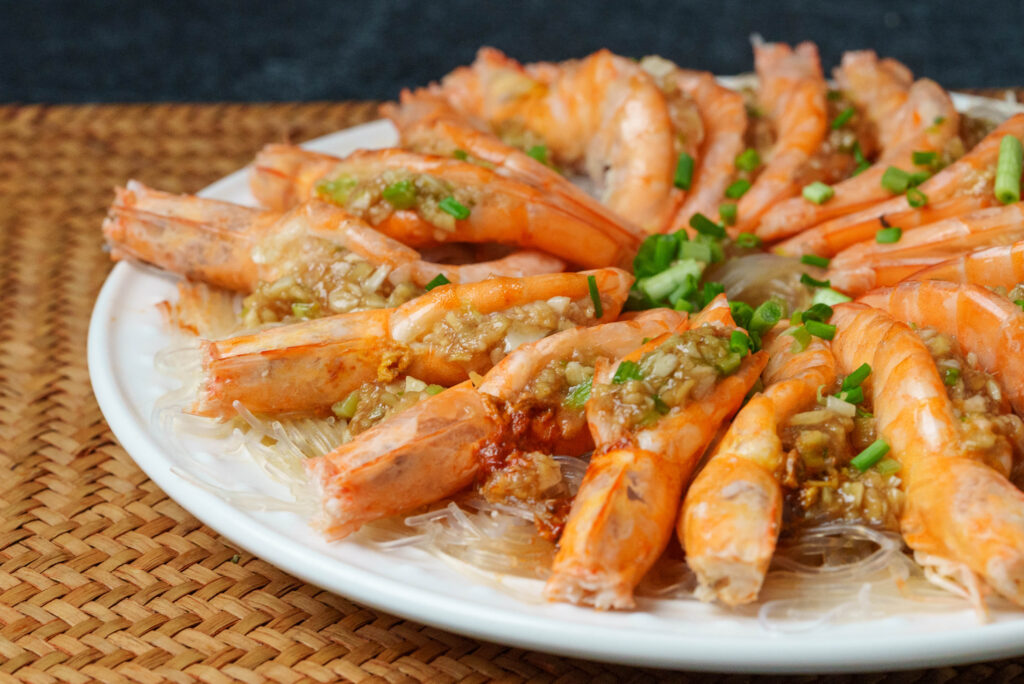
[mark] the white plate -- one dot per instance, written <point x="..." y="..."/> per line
<point x="126" y="332"/>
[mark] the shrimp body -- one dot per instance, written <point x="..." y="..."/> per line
<point x="493" y="208"/>
<point x="732" y="513"/>
<point x="963" y="186"/>
<point x="957" y="507"/>
<point x="985" y="324"/>
<point x="1001" y="266"/>
<point x="439" y="338"/>
<point x="792" y="91"/>
<point x="868" y="265"/>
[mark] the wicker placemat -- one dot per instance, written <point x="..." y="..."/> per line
<point x="102" y="577"/>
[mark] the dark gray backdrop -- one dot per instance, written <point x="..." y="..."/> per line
<point x="190" y="50"/>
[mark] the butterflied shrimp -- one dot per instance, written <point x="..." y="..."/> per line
<point x="868" y="265"/>
<point x="446" y="442"/>
<point x="963" y="186"/>
<point x="652" y="415"/>
<point x="1001" y="266"/>
<point x="440" y="338"/>
<point x="956" y="507"/>
<point x="983" y="323"/>
<point x="423" y="200"/>
<point x="602" y="114"/>
<point x="792" y="92"/>
<point x="731" y="517"/>
<point x="911" y="129"/>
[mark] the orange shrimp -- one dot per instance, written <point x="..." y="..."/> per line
<point x="440" y="337"/>
<point x="868" y="265"/>
<point x="985" y="324"/>
<point x="957" y="508"/>
<point x="912" y="130"/>
<point x="792" y="91"/>
<point x="603" y="114"/>
<point x="963" y="186"/>
<point x="1001" y="266"/>
<point x="482" y="206"/>
<point x="440" y="441"/>
<point x="732" y="513"/>
<point x="622" y="517"/>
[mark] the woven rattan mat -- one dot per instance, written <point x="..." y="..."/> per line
<point x="102" y="577"/>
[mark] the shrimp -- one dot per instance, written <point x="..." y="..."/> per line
<point x="732" y="513"/>
<point x="622" y="517"/>
<point x="957" y="508"/>
<point x="603" y="113"/>
<point x="422" y="200"/>
<point x="964" y="185"/>
<point x="911" y="129"/>
<point x="1001" y="266"/>
<point x="440" y="337"/>
<point x="792" y="91"/>
<point x="983" y="323"/>
<point x="443" y="443"/>
<point x="725" y="119"/>
<point x="868" y="265"/>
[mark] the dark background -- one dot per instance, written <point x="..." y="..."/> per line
<point x="105" y="51"/>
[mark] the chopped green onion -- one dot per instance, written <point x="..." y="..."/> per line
<point x="817" y="312"/>
<point x="826" y="295"/>
<point x="729" y="364"/>
<point x="857" y="377"/>
<point x="727" y="212"/>
<point x="924" y="158"/>
<point x="695" y="250"/>
<point x="870" y="456"/>
<point x="843" y="117"/>
<point x="337" y="190"/>
<point x="747" y="240"/>
<point x="627" y="370"/>
<point x="823" y="330"/>
<point x="916" y="178"/>
<point x="833" y="95"/>
<point x="578" y="395"/>
<point x="801" y="338"/>
<point x="655" y="254"/>
<point x="461" y="155"/>
<point x="818" y="193"/>
<point x="683" y="305"/>
<point x="538" y="152"/>
<point x="888" y="466"/>
<point x="741" y="313"/>
<point x="1019" y="302"/>
<point x="887" y="236"/>
<point x="595" y="296"/>
<point x="737" y="189"/>
<point x="950" y="376"/>
<point x="401" y="194"/>
<point x="684" y="172"/>
<point x="433" y="389"/>
<point x="854" y="395"/>
<point x="715" y="245"/>
<point x="739" y="342"/>
<point x="450" y="205"/>
<point x="748" y="159"/>
<point x="705" y="226"/>
<point x="660" y="406"/>
<point x="858" y="156"/>
<point x="861" y="413"/>
<point x="766" y="316"/>
<point x="895" y="180"/>
<point x="346" y="408"/>
<point x="711" y="290"/>
<point x="916" y="198"/>
<point x="1008" y="169"/>
<point x="659" y="286"/>
<point x="812" y="282"/>
<point x="305" y="309"/>
<point x="437" y="281"/>
<point x="814" y="260"/>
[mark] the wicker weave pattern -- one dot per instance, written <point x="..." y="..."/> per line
<point x="102" y="577"/>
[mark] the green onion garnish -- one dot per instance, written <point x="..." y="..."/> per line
<point x="888" y="466"/>
<point x="660" y="285"/>
<point x="887" y="236"/>
<point x="305" y="309"/>
<point x="737" y="189"/>
<point x="747" y="240"/>
<point x="801" y="338"/>
<point x="916" y="198"/>
<point x="823" y="330"/>
<point x="857" y="377"/>
<point x="817" y="312"/>
<point x="695" y="250"/>
<point x="826" y="295"/>
<point x="727" y="212"/>
<point x="1019" y="302"/>
<point x="437" y="281"/>
<point x="711" y="290"/>
<point x="812" y="282"/>
<point x="870" y="456"/>
<point x="858" y="156"/>
<point x="660" y="406"/>
<point x="627" y="370"/>
<point x="401" y="194"/>
<point x="578" y="395"/>
<point x="461" y="155"/>
<point x="684" y="172"/>
<point x="924" y="158"/>
<point x="450" y="205"/>
<point x="814" y="260"/>
<point x="714" y="244"/>
<point x="655" y="254"/>
<point x="739" y="342"/>
<point x="346" y="408"/>
<point x="895" y="180"/>
<point x="843" y="117"/>
<point x="337" y="190"/>
<point x="705" y="226"/>
<point x="854" y="395"/>
<point x="916" y="178"/>
<point x="766" y="316"/>
<point x="683" y="305"/>
<point x="1008" y="169"/>
<point x="433" y="389"/>
<point x="741" y="313"/>
<point x="538" y="152"/>
<point x="861" y="413"/>
<point x="595" y="296"/>
<point x="950" y="376"/>
<point x="818" y="193"/>
<point x="748" y="159"/>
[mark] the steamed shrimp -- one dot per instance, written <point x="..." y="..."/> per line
<point x="1001" y="266"/>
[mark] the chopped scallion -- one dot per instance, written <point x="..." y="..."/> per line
<point x="705" y="226"/>
<point x="854" y="395"/>
<point x="695" y="250"/>
<point x="813" y="282"/>
<point x="627" y="370"/>
<point x="843" y="118"/>
<point x="450" y="205"/>
<point x="748" y="159"/>
<point x="895" y="180"/>
<point x="826" y="295"/>
<point x="888" y="466"/>
<point x="727" y="212"/>
<point x="538" y="152"/>
<point x="857" y="377"/>
<point x="660" y="285"/>
<point x="579" y="394"/>
<point x="825" y="331"/>
<point x="747" y="240"/>
<point x="801" y="338"/>
<point x="1019" y="302"/>
<point x="817" y="312"/>
<point x="887" y="236"/>
<point x="684" y="171"/>
<point x="766" y="316"/>
<point x="739" y="342"/>
<point x="916" y="198"/>
<point x="346" y="408"/>
<point x="737" y="189"/>
<point x="814" y="260"/>
<point x="437" y="281"/>
<point x="924" y="158"/>
<point x="870" y="456"/>
<point x="1008" y="169"/>
<point x="858" y="156"/>
<point x="950" y="376"/>
<point x="595" y="296"/>
<point x="741" y="313"/>
<point x="400" y="194"/>
<point x="710" y="290"/>
<point x="305" y="309"/>
<point x="818" y="193"/>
